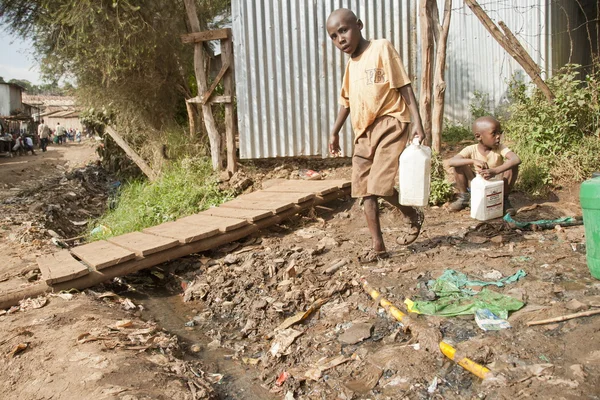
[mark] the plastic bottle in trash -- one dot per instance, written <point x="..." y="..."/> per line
<point x="589" y="197"/>
<point x="415" y="175"/>
<point x="487" y="199"/>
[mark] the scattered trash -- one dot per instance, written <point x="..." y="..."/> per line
<point x="301" y="316"/>
<point x="215" y="378"/>
<point x="488" y="321"/>
<point x="100" y="230"/>
<point x="309" y="174"/>
<point x="323" y="365"/>
<point x="283" y="340"/>
<point x="433" y="385"/>
<point x="32" y="304"/>
<point x="282" y="378"/>
<point x="336" y="265"/>
<point x="356" y="333"/>
<point x="18" y="349"/>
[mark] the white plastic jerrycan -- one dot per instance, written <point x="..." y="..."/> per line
<point x="415" y="175"/>
<point x="487" y="198"/>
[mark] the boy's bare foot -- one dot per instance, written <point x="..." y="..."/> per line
<point x="415" y="221"/>
<point x="371" y="256"/>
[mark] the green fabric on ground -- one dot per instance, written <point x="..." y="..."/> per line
<point x="543" y="223"/>
<point x="462" y="304"/>
<point x="452" y="281"/>
<point x="457" y="298"/>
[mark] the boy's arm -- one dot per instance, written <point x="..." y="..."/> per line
<point x="460" y="161"/>
<point x="408" y="95"/>
<point x="511" y="161"/>
<point x="334" y="140"/>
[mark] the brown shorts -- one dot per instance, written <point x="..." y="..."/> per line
<point x="375" y="159"/>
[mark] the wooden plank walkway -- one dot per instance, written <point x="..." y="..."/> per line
<point x="233" y="220"/>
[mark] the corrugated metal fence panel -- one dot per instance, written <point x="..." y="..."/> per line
<point x="288" y="73"/>
<point x="478" y="64"/>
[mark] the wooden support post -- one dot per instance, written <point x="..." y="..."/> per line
<point x="509" y="42"/>
<point x="199" y="69"/>
<point x="132" y="154"/>
<point x="426" y="67"/>
<point x="439" y="82"/>
<point x="230" y="125"/>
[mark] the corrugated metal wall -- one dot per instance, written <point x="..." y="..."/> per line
<point x="288" y="73"/>
<point x="478" y="64"/>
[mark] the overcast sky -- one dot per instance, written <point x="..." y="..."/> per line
<point x="17" y="59"/>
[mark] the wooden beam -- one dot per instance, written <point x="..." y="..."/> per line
<point x="230" y="125"/>
<point x="512" y="46"/>
<point x="214" y="99"/>
<point x="426" y="66"/>
<point x="199" y="69"/>
<point x="132" y="154"/>
<point x="439" y="82"/>
<point x="199" y="37"/>
<point x="222" y="72"/>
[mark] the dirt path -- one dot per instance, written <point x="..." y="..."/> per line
<point x="74" y="346"/>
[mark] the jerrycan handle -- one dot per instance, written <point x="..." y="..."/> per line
<point x="415" y="141"/>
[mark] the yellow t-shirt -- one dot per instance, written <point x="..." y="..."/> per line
<point x="494" y="158"/>
<point x="370" y="83"/>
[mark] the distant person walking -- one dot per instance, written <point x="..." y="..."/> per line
<point x="60" y="133"/>
<point x="44" y="134"/>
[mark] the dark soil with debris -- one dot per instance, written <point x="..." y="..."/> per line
<point x="283" y="314"/>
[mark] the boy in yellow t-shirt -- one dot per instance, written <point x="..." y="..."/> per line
<point x="489" y="158"/>
<point x="377" y="94"/>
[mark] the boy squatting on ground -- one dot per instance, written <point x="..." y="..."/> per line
<point x="489" y="158"/>
<point x="376" y="92"/>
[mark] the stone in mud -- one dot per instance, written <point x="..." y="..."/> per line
<point x="356" y="333"/>
<point x="575" y="305"/>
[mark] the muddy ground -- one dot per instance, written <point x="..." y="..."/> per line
<point x="210" y="324"/>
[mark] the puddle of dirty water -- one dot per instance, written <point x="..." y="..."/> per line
<point x="171" y="314"/>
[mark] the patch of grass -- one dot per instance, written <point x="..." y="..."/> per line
<point x="455" y="133"/>
<point x="184" y="188"/>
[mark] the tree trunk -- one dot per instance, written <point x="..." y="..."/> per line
<point x="439" y="85"/>
<point x="200" y="71"/>
<point x="426" y="66"/>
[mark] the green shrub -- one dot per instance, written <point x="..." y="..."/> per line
<point x="557" y="141"/>
<point x="184" y="188"/>
<point x="441" y="190"/>
<point x="455" y="133"/>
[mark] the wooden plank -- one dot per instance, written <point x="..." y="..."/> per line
<point x="248" y="215"/>
<point x="102" y="254"/>
<point x="212" y="87"/>
<point x="198" y="37"/>
<point x="60" y="267"/>
<point x="143" y="244"/>
<point x="296" y="197"/>
<point x="275" y="206"/>
<point x="185" y="233"/>
<point x="222" y="224"/>
<point x="318" y="187"/>
<point x="213" y="99"/>
<point x="131" y="153"/>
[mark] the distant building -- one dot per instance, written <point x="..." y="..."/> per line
<point x="10" y="99"/>
<point x="15" y="117"/>
<point x="55" y="109"/>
